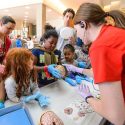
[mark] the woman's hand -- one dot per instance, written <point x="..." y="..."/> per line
<point x="72" y="68"/>
<point x="84" y="91"/>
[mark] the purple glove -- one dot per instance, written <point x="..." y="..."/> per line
<point x="84" y="91"/>
<point x="72" y="68"/>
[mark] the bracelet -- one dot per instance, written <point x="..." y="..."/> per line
<point x="45" y="68"/>
<point x="46" y="71"/>
<point x="88" y="98"/>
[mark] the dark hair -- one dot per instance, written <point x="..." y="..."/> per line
<point x="7" y="19"/>
<point x="69" y="10"/>
<point x="18" y="36"/>
<point x="93" y="13"/>
<point x="50" y="33"/>
<point x="48" y="27"/>
<point x="69" y="46"/>
<point x="29" y="37"/>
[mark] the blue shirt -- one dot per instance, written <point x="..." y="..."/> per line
<point x="18" y="43"/>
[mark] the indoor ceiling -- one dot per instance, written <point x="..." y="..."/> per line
<point x="21" y="12"/>
<point x="28" y="12"/>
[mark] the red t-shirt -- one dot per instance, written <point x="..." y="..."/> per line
<point x="4" y="49"/>
<point x="107" y="55"/>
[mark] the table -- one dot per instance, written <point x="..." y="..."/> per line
<point x="61" y="95"/>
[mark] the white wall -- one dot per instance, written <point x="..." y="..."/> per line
<point x="14" y="3"/>
<point x="56" y="23"/>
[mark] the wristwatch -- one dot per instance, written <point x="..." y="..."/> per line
<point x="88" y="98"/>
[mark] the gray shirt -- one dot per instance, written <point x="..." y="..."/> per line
<point x="10" y="87"/>
<point x="75" y="62"/>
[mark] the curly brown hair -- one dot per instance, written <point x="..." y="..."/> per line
<point x="17" y="64"/>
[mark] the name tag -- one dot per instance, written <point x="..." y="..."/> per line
<point x="42" y="58"/>
<point x="57" y="60"/>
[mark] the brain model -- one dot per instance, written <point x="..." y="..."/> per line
<point x="50" y="118"/>
<point x="62" y="69"/>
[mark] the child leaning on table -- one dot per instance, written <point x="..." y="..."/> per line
<point x="69" y="53"/>
<point x="20" y="77"/>
<point x="46" y="54"/>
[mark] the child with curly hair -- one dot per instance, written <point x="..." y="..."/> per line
<point x="45" y="55"/>
<point x="20" y="77"/>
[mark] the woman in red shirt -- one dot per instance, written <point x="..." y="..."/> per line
<point x="7" y="24"/>
<point x="107" y="55"/>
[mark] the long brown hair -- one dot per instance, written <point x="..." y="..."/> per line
<point x="119" y="18"/>
<point x="93" y="13"/>
<point x="17" y="65"/>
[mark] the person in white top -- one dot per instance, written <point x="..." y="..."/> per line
<point x="68" y="16"/>
<point x="30" y="43"/>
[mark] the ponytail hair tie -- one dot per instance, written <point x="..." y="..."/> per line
<point x="109" y="19"/>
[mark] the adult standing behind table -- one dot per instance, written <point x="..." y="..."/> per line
<point x="107" y="55"/>
<point x="7" y="24"/>
<point x="68" y="16"/>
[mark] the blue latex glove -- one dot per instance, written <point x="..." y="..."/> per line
<point x="2" y="105"/>
<point x="70" y="81"/>
<point x="31" y="97"/>
<point x="43" y="101"/>
<point x="88" y="79"/>
<point x="82" y="64"/>
<point x="80" y="78"/>
<point x="56" y="73"/>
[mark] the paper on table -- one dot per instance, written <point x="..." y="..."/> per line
<point x="78" y="110"/>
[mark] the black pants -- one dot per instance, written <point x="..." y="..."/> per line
<point x="108" y="123"/>
<point x="105" y="122"/>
